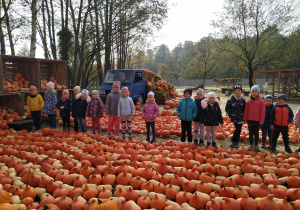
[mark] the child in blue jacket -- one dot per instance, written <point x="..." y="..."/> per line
<point x="265" y="128"/>
<point x="186" y="111"/>
<point x="197" y="125"/>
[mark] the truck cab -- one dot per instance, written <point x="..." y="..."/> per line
<point x="132" y="78"/>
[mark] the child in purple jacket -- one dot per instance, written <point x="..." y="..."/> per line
<point x="95" y="111"/>
<point x="150" y="112"/>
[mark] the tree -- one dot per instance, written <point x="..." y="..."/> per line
<point x="162" y="54"/>
<point x="248" y="26"/>
<point x="206" y="59"/>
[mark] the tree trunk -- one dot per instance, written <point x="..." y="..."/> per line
<point x="33" y="29"/>
<point x="2" y="40"/>
<point x="250" y="75"/>
<point x="7" y="21"/>
<point x="43" y="32"/>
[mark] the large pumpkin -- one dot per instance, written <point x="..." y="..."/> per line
<point x="104" y="204"/>
<point x="4" y="197"/>
<point x="7" y="206"/>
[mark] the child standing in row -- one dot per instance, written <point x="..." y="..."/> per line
<point x="35" y="104"/>
<point x="235" y="108"/>
<point x="76" y="91"/>
<point x="254" y="115"/>
<point x="265" y="128"/>
<point x="149" y="112"/>
<point x="297" y="124"/>
<point x="50" y="104"/>
<point x="95" y="111"/>
<point x="186" y="111"/>
<point x="79" y="108"/>
<point x="64" y="105"/>
<point x="126" y="112"/>
<point x="111" y="109"/>
<point x="211" y="117"/>
<point x="281" y="116"/>
<point x="197" y="126"/>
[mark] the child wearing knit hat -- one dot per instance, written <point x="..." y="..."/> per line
<point x="265" y="128"/>
<point x="111" y="109"/>
<point x="76" y="90"/>
<point x="149" y="112"/>
<point x="35" y="104"/>
<point x="254" y="115"/>
<point x="235" y="108"/>
<point x="64" y="106"/>
<point x="198" y="128"/>
<point x="186" y="111"/>
<point x="211" y="117"/>
<point x="282" y="115"/>
<point x="126" y="112"/>
<point x="95" y="111"/>
<point x="79" y="108"/>
<point x="50" y="98"/>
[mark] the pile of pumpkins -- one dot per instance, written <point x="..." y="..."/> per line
<point x="17" y="83"/>
<point x="8" y="115"/>
<point x="67" y="170"/>
<point x="51" y="79"/>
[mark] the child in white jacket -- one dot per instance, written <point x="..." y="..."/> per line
<point x="126" y="112"/>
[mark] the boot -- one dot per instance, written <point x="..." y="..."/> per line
<point x="256" y="149"/>
<point x="263" y="144"/>
<point x="201" y="142"/>
<point x="196" y="142"/>
<point x="208" y="143"/>
<point x="64" y="129"/>
<point x="231" y="144"/>
<point x="214" y="144"/>
<point x="288" y="149"/>
<point x="250" y="147"/>
<point x="68" y="129"/>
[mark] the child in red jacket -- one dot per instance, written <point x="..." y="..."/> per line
<point x="254" y="115"/>
<point x="281" y="116"/>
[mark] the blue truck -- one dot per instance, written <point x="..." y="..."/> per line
<point x="134" y="79"/>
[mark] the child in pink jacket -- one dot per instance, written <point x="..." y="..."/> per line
<point x="297" y="124"/>
<point x="254" y="115"/>
<point x="150" y="112"/>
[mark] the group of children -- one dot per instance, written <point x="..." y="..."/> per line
<point x="256" y="112"/>
<point x="204" y="111"/>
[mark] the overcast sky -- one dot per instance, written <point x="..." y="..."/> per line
<point x="189" y="20"/>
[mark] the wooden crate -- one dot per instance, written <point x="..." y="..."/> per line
<point x="28" y="67"/>
<point x="54" y="68"/>
<point x="14" y="101"/>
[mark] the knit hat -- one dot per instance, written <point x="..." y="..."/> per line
<point x="188" y="90"/>
<point x="124" y="88"/>
<point x="77" y="88"/>
<point x="281" y="96"/>
<point x="211" y="95"/>
<point x="237" y="87"/>
<point x="268" y="96"/>
<point x="85" y="91"/>
<point x="32" y="87"/>
<point x="151" y="94"/>
<point x="255" y="87"/>
<point x="116" y="84"/>
<point x="200" y="90"/>
<point x="95" y="92"/>
<point x="50" y="85"/>
<point x="66" y="92"/>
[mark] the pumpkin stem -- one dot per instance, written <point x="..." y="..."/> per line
<point x="99" y="201"/>
<point x="71" y="207"/>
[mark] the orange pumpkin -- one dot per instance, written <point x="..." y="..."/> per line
<point x="103" y="204"/>
<point x="4" y="197"/>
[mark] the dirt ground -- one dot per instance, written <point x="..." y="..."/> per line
<point x="293" y="104"/>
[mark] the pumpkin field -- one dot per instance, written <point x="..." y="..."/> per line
<point x="51" y="169"/>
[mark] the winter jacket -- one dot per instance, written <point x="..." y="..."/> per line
<point x="79" y="107"/>
<point x="65" y="112"/>
<point x="187" y="109"/>
<point x="50" y="102"/>
<point x="297" y="118"/>
<point x="255" y="110"/>
<point x="266" y="124"/>
<point x="281" y="115"/>
<point x="112" y="103"/>
<point x="95" y="108"/>
<point x="211" y="114"/>
<point x="235" y="108"/>
<point x="35" y="103"/>
<point x="126" y="106"/>
<point x="150" y="111"/>
<point x="199" y="109"/>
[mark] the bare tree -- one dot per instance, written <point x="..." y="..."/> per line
<point x="6" y="7"/>
<point x="34" y="12"/>
<point x="248" y="26"/>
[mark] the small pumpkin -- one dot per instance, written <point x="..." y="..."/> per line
<point x="103" y="204"/>
<point x="4" y="197"/>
